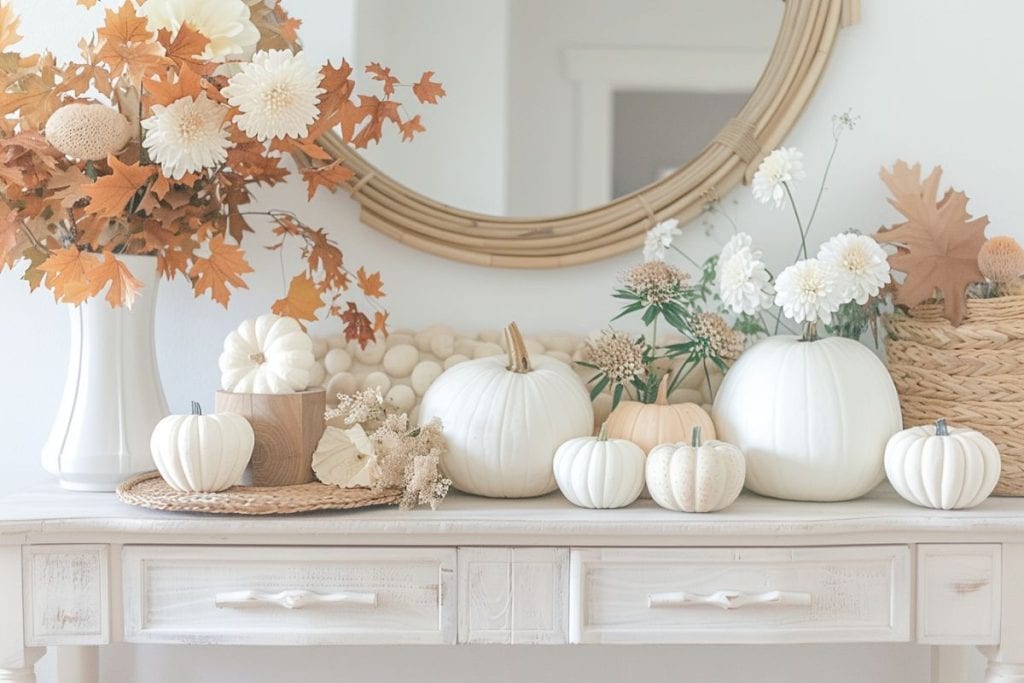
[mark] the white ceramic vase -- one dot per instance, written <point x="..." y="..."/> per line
<point x="812" y="417"/>
<point x="112" y="395"/>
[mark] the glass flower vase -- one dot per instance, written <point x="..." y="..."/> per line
<point x="112" y="395"/>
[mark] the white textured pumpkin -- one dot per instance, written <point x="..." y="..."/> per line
<point x="943" y="468"/>
<point x="598" y="472"/>
<point x="266" y="355"/>
<point x="812" y="417"/>
<point x="695" y="476"/>
<point x="504" y="422"/>
<point x="202" y="452"/>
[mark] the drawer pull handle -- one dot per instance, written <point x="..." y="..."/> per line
<point x="729" y="599"/>
<point x="293" y="599"/>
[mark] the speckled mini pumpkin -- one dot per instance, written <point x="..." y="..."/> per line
<point x="695" y="477"/>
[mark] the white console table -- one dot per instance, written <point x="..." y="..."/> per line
<point x="80" y="570"/>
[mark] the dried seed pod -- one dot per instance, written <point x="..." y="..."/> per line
<point x="1001" y="259"/>
<point x="88" y="132"/>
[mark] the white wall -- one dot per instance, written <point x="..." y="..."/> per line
<point x="938" y="81"/>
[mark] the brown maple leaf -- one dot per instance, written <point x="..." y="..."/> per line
<point x="411" y="127"/>
<point x="109" y="195"/>
<point x="331" y="176"/>
<point x="124" y="287"/>
<point x="383" y="74"/>
<point x="357" y="326"/>
<point x="428" y="91"/>
<point x="380" y="323"/>
<point x="302" y="300"/>
<point x="87" y="4"/>
<point x="128" y="44"/>
<point x="67" y="274"/>
<point x="9" y="22"/>
<point x="185" y="47"/>
<point x="938" y="244"/>
<point x="165" y="91"/>
<point x="225" y="266"/>
<point x="370" y="283"/>
<point x="9" y="227"/>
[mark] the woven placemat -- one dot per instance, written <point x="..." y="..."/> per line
<point x="149" y="490"/>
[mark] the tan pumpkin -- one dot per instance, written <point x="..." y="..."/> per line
<point x="650" y="424"/>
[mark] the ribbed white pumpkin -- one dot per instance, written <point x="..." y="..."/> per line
<point x="598" y="472"/>
<point x="943" y="468"/>
<point x="696" y="476"/>
<point x="812" y="417"/>
<point x="202" y="452"/>
<point x="503" y="420"/>
<point x="266" y="355"/>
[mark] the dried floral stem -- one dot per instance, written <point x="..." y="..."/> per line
<point x="799" y="223"/>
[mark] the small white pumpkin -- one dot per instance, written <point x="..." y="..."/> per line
<point x="598" y="472"/>
<point x="503" y="420"/>
<point x="695" y="477"/>
<point x="267" y="355"/>
<point x="942" y="468"/>
<point x="199" y="452"/>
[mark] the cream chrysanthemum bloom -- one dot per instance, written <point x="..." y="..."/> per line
<point x="227" y="23"/>
<point x="862" y="264"/>
<point x="659" y="239"/>
<point x="277" y="94"/>
<point x="744" y="284"/>
<point x="784" y="165"/>
<point x="186" y="136"/>
<point x="809" y="291"/>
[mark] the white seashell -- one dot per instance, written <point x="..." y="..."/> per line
<point x="400" y="360"/>
<point x="442" y="345"/>
<point x="372" y="354"/>
<point x="377" y="380"/>
<point x="341" y="383"/>
<point x="424" y="374"/>
<point x="317" y="375"/>
<point x="454" y="359"/>
<point x="344" y="457"/>
<point x="485" y="349"/>
<point x="319" y="347"/>
<point x="401" y="397"/>
<point x="337" y="360"/>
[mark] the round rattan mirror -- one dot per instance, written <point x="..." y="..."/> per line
<point x="805" y="40"/>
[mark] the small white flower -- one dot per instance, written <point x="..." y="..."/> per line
<point x="862" y="264"/>
<point x="227" y="23"/>
<point x="784" y="165"/>
<point x="187" y="135"/>
<point x="659" y="239"/>
<point x="809" y="291"/>
<point x="744" y="284"/>
<point x="277" y="94"/>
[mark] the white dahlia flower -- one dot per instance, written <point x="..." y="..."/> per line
<point x="187" y="136"/>
<point x="809" y="291"/>
<point x="227" y="23"/>
<point x="784" y="165"/>
<point x="277" y="93"/>
<point x="659" y="239"/>
<point x="744" y="283"/>
<point x="862" y="264"/>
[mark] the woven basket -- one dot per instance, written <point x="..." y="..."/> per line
<point x="973" y="374"/>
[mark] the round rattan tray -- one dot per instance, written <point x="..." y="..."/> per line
<point x="151" y="491"/>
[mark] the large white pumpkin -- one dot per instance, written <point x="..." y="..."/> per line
<point x="267" y="355"/>
<point x="812" y="417"/>
<point x="942" y="467"/>
<point x="598" y="472"/>
<point x="503" y="420"/>
<point x="202" y="452"/>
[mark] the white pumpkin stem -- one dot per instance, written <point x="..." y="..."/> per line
<point x="695" y="437"/>
<point x="518" y="358"/>
<point x="662" y="397"/>
<point x="603" y="434"/>
<point x="941" y="427"/>
<point x="196" y="408"/>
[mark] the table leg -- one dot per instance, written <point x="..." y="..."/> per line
<point x="1006" y="660"/>
<point x="78" y="664"/>
<point x="949" y="664"/>
<point x="23" y="671"/>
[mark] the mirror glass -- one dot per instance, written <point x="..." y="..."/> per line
<point x="552" y="106"/>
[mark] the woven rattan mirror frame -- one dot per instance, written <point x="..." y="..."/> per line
<point x="806" y="39"/>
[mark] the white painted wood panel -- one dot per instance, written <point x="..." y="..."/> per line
<point x="513" y="596"/>
<point x="959" y="587"/>
<point x="289" y="596"/>
<point x="740" y="595"/>
<point x="66" y="594"/>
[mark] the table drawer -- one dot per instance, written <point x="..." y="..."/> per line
<point x="740" y="595"/>
<point x="289" y="596"/>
